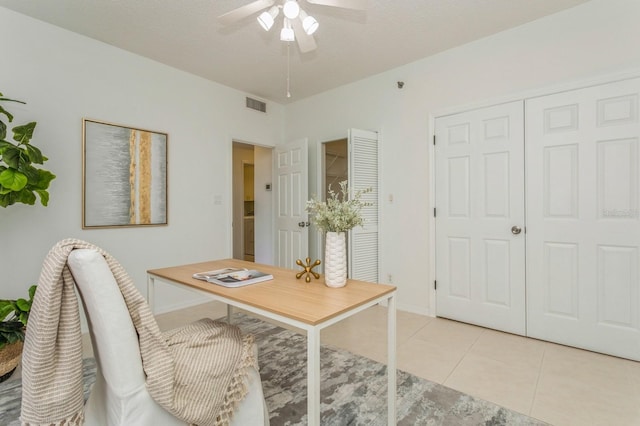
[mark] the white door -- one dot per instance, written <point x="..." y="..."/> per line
<point x="480" y="270"/>
<point x="363" y="173"/>
<point x="291" y="194"/>
<point x="583" y="218"/>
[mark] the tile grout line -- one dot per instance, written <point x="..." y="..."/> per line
<point x="419" y="330"/>
<point x="535" y="389"/>
<point x="466" y="352"/>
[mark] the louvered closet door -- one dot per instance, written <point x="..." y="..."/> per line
<point x="583" y="218"/>
<point x="363" y="173"/>
<point x="479" y="161"/>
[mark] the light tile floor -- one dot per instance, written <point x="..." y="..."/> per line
<point x="553" y="383"/>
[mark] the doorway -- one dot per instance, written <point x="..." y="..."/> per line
<point x="252" y="203"/>
<point x="336" y="165"/>
<point x="334" y="168"/>
<point x="248" y="213"/>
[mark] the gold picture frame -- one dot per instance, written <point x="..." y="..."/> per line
<point x="124" y="176"/>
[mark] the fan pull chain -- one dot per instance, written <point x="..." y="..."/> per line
<point x="288" y="69"/>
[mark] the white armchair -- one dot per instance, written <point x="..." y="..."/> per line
<point x="119" y="396"/>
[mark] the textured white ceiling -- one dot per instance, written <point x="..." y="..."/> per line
<point x="351" y="44"/>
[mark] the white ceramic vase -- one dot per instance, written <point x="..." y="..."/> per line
<point x="335" y="259"/>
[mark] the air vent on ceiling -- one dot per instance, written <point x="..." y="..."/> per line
<point x="256" y="104"/>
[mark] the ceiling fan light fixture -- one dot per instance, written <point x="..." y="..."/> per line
<point x="309" y="23"/>
<point x="291" y="9"/>
<point x="286" y="33"/>
<point x="267" y="18"/>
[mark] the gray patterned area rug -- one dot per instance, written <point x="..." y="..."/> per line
<point x="353" y="389"/>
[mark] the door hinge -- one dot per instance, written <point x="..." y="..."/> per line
<point x="434" y="212"/>
<point x="435" y="284"/>
<point x="434" y="139"/>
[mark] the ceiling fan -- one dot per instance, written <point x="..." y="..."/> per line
<point x="297" y="24"/>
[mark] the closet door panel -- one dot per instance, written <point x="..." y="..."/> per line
<point x="479" y="198"/>
<point x="583" y="218"/>
<point x="363" y="243"/>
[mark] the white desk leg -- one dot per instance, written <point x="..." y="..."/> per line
<point x="151" y="293"/>
<point x="391" y="360"/>
<point x="313" y="377"/>
<point x="229" y="313"/>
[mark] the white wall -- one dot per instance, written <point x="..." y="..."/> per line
<point x="64" y="77"/>
<point x="594" y="39"/>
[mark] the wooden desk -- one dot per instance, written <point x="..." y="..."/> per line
<point x="307" y="306"/>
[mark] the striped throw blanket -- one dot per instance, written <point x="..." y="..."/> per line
<point x="214" y="353"/>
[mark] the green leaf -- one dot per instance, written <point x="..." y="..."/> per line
<point x="7" y="199"/>
<point x="23" y="305"/>
<point x="13" y="337"/>
<point x="45" y="179"/>
<point x="13" y="179"/>
<point x="11" y="155"/>
<point x="44" y="196"/>
<point x="4" y="145"/>
<point x="11" y="326"/>
<point x="5" y="309"/>
<point x="3" y="130"/>
<point x="32" y="174"/>
<point x="26" y="196"/>
<point x="32" y="292"/>
<point x="23" y="134"/>
<point x="5" y="112"/>
<point x="35" y="155"/>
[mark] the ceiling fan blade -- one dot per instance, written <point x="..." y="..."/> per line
<point x="242" y="12"/>
<point x="306" y="43"/>
<point x="347" y="4"/>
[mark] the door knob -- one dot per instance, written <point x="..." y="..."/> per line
<point x="303" y="224"/>
<point x="515" y="230"/>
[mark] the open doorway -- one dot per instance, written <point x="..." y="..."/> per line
<point x="333" y="168"/>
<point x="336" y="165"/>
<point x="248" y="213"/>
<point x="252" y="203"/>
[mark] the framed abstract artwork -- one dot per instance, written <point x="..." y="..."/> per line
<point x="124" y="171"/>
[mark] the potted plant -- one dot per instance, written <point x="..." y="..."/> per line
<point x="14" y="315"/>
<point x="20" y="181"/>
<point x="335" y="216"/>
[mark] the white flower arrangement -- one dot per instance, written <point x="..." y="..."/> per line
<point x="338" y="213"/>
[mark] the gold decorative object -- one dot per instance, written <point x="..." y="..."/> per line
<point x="308" y="269"/>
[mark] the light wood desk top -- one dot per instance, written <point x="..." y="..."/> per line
<point x="311" y="303"/>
